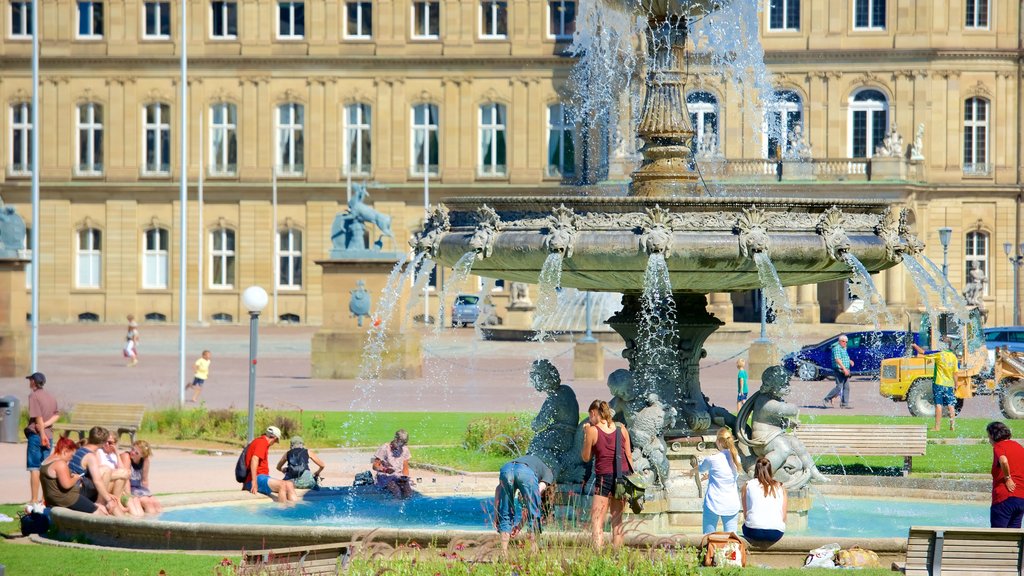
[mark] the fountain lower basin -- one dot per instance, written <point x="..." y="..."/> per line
<point x="708" y="242"/>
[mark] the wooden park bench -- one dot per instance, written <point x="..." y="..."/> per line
<point x="318" y="559"/>
<point x="119" y="418"/>
<point x="865" y="440"/>
<point x="937" y="551"/>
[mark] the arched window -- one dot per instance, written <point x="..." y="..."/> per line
<point x="782" y="115"/>
<point x="976" y="255"/>
<point x="154" y="258"/>
<point x="156" y="317"/>
<point x="290" y="143"/>
<point x="703" y="108"/>
<point x="289" y="258"/>
<point x="88" y="258"/>
<point x="869" y="118"/>
<point x="357" y="140"/>
<point x="88" y="317"/>
<point x="425" y="139"/>
<point x="289" y="319"/>
<point x="492" y="140"/>
<point x="222" y="258"/>
<point x="223" y="139"/>
<point x="561" y="148"/>
<point x="89" y="143"/>
<point x="157" y="142"/>
<point x="222" y="318"/>
<point x="976" y="136"/>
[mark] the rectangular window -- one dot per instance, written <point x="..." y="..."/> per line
<point x="21" y="139"/>
<point x="90" y="19"/>
<point x="784" y="14"/>
<point x="158" y="21"/>
<point x="424" y="139"/>
<point x="561" y="19"/>
<point x="426" y="20"/>
<point x="359" y="21"/>
<point x="157" y="142"/>
<point x="222" y="259"/>
<point x="224" y="20"/>
<point x="90" y="139"/>
<point x="89" y="258"/>
<point x="976" y="13"/>
<point x="869" y="14"/>
<point x="561" y="149"/>
<point x="493" y="19"/>
<point x="492" y="140"/>
<point x="290" y="144"/>
<point x="223" y="140"/>
<point x="976" y="137"/>
<point x="154" y="259"/>
<point x="357" y="139"/>
<point x="289" y="257"/>
<point x="291" y="20"/>
<point x="21" y="20"/>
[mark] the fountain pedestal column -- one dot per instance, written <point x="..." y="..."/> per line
<point x="337" y="347"/>
<point x="14" y="338"/>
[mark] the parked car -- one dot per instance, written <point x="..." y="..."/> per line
<point x="465" y="309"/>
<point x="1010" y="336"/>
<point x="866" y="349"/>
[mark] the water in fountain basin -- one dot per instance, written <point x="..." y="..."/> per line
<point x="547" y="300"/>
<point x="864" y="288"/>
<point x="775" y="299"/>
<point x="655" y="348"/>
<point x="459" y="275"/>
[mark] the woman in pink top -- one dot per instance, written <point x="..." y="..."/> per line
<point x="599" y="444"/>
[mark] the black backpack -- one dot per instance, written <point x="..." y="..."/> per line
<point x="242" y="467"/>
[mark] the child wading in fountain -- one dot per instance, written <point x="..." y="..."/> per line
<point x="202" y="372"/>
<point x="741" y="383"/>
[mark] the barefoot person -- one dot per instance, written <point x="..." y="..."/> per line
<point x="764" y="505"/>
<point x="600" y="435"/>
<point x="534" y="481"/>
<point x="201" y="371"/>
<point x="258" y="479"/>
<point x="62" y="488"/>
<point x="391" y="463"/>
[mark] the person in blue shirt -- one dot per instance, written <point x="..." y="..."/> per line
<point x="841" y="365"/>
<point x="741" y="383"/>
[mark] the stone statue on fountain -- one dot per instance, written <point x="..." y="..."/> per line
<point x="769" y="435"/>
<point x="798" y="148"/>
<point x="348" y="231"/>
<point x="892" y="144"/>
<point x="974" y="291"/>
<point x="555" y="425"/>
<point x="519" y="295"/>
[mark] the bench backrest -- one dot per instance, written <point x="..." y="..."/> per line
<point x="864" y="439"/>
<point x="112" y="413"/>
<point x="934" y="551"/>
<point x="318" y="559"/>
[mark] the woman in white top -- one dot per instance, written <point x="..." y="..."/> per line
<point x="764" y="505"/>
<point x="721" y="499"/>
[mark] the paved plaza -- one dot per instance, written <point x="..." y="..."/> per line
<point x="461" y="373"/>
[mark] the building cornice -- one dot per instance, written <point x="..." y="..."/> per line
<point x="889" y="56"/>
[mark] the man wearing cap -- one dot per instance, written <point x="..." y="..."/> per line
<point x="257" y="455"/>
<point x="42" y="414"/>
<point x="295" y="465"/>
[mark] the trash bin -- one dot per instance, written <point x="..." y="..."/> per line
<point x="10" y="415"/>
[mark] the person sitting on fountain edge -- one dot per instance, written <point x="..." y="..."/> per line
<point x="535" y="482"/>
<point x="391" y="457"/>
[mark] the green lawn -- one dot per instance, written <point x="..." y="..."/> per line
<point x="37" y="560"/>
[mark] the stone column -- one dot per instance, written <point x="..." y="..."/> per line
<point x="14" y="340"/>
<point x="807" y="309"/>
<point x="588" y="361"/>
<point x="720" y="306"/>
<point x="337" y="347"/>
<point x="894" y="285"/>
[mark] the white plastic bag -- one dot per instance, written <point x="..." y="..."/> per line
<point x="823" y="557"/>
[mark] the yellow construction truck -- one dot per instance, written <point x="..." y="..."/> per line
<point x="909" y="379"/>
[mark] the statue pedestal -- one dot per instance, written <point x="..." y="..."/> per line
<point x="588" y="361"/>
<point x="762" y="355"/>
<point x="337" y="348"/>
<point x="14" y="337"/>
<point x="797" y="170"/>
<point x="888" y="168"/>
<point x="519" y="317"/>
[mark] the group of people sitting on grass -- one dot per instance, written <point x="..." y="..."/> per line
<point x="390" y="464"/>
<point x="93" y="477"/>
<point x="529" y="479"/>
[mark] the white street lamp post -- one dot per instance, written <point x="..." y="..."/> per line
<point x="254" y="299"/>
<point x="945" y="233"/>
<point x="1017" y="260"/>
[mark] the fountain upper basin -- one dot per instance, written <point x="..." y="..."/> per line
<point x="662" y="8"/>
<point x="708" y="243"/>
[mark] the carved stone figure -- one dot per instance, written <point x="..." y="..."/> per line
<point x="772" y="418"/>
<point x="798" y="148"/>
<point x="645" y="435"/>
<point x="437" y="224"/>
<point x="12" y="232"/>
<point x="625" y="401"/>
<point x="359" y="302"/>
<point x="707" y="147"/>
<point x="917" y="148"/>
<point x="892" y="144"/>
<point x="555" y="425"/>
<point x="348" y="231"/>
<point x="519" y="295"/>
<point x="656" y="236"/>
<point x="752" y="228"/>
<point x="832" y="229"/>
<point x="562" y="231"/>
<point x="974" y="291"/>
<point x="888" y="229"/>
<point x="488" y="225"/>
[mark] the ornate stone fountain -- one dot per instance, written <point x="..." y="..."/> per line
<point x="708" y="243"/>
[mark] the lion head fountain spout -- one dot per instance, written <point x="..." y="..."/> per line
<point x="563" y="228"/>
<point x="752" y="229"/>
<point x="657" y="236"/>
<point x="488" y="225"/>
<point x="428" y="241"/>
<point x="831" y="227"/>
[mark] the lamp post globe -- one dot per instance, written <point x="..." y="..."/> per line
<point x="945" y="233"/>
<point x="254" y="299"/>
